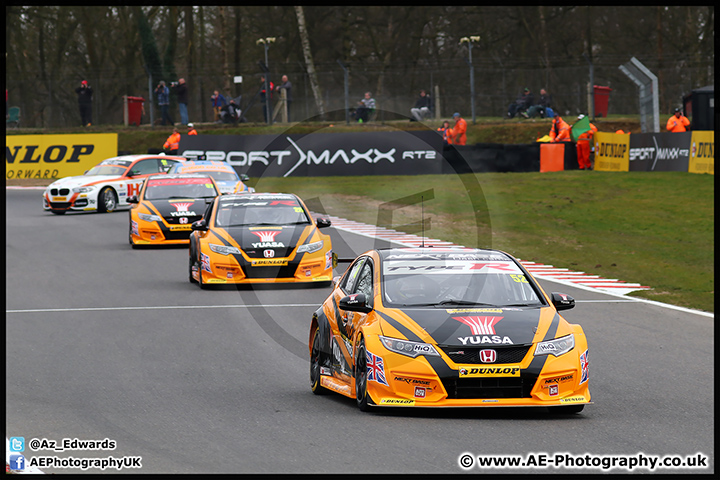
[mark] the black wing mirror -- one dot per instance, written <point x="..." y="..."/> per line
<point x="562" y="301"/>
<point x="354" y="303"/>
<point x="322" y="222"/>
<point x="132" y="199"/>
<point x="199" y="225"/>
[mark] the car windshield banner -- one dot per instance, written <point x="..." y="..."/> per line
<point x="322" y="154"/>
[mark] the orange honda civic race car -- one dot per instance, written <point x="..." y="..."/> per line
<point x="167" y="205"/>
<point x="447" y="327"/>
<point x="259" y="238"/>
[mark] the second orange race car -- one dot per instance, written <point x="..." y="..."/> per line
<point x="259" y="238"/>
<point x="167" y="205"/>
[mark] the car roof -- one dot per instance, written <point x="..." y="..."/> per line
<point x="143" y="156"/>
<point x="261" y="196"/>
<point x="206" y="165"/>
<point x="443" y="253"/>
<point x="165" y="176"/>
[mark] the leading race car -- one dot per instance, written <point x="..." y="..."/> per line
<point x="167" y="206"/>
<point x="106" y="186"/>
<point x="225" y="176"/>
<point x="259" y="238"/>
<point x="452" y="327"/>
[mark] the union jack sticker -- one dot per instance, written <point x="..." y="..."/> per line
<point x="375" y="369"/>
<point x="205" y="262"/>
<point x="584" y="370"/>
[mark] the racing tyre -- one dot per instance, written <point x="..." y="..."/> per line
<point x="567" y="410"/>
<point x="107" y="200"/>
<point x="203" y="286"/>
<point x="190" y="269"/>
<point x="316" y="360"/>
<point x="361" y="395"/>
<point x="130" y="240"/>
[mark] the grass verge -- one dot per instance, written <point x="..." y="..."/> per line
<point x="653" y="228"/>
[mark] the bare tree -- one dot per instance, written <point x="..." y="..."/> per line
<point x="310" y="64"/>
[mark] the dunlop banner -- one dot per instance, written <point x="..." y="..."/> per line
<point x="611" y="152"/>
<point x="56" y="156"/>
<point x="702" y="152"/>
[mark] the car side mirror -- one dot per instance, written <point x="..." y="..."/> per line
<point x="354" y="303"/>
<point x="244" y="177"/>
<point x="132" y="199"/>
<point x="199" y="225"/>
<point x="322" y="222"/>
<point x="562" y="301"/>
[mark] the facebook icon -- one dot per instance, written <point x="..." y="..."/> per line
<point x="17" y="462"/>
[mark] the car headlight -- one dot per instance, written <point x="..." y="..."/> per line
<point x="224" y="249"/>
<point x="556" y="347"/>
<point x="310" y="247"/>
<point x="411" y="349"/>
<point x="150" y="218"/>
<point x="83" y="189"/>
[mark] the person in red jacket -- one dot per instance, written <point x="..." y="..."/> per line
<point x="559" y="130"/>
<point x="583" y="146"/>
<point x="678" y="122"/>
<point x="459" y="136"/>
<point x="191" y="129"/>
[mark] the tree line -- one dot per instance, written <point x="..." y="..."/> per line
<point x="391" y="51"/>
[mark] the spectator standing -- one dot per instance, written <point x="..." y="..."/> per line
<point x="172" y="143"/>
<point x="421" y="108"/>
<point x="263" y="96"/>
<point x="180" y="89"/>
<point x="191" y="129"/>
<point x="366" y="105"/>
<point x="84" y="93"/>
<point x="458" y="135"/>
<point x="559" y="130"/>
<point x="218" y="101"/>
<point x="522" y="103"/>
<point x="445" y="131"/>
<point x="287" y="86"/>
<point x="583" y="146"/>
<point x="540" y="108"/>
<point x="163" y="96"/>
<point x="678" y="122"/>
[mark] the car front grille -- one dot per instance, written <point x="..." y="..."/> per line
<point x="60" y="205"/>
<point x="287" y="271"/>
<point x="468" y="388"/>
<point x="61" y="191"/>
<point x="471" y="355"/>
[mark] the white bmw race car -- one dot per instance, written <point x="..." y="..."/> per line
<point x="106" y="186"/>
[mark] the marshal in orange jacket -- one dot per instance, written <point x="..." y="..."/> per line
<point x="678" y="123"/>
<point x="173" y="141"/>
<point x="560" y="130"/>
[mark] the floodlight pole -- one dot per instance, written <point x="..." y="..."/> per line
<point x="266" y="44"/>
<point x="469" y="41"/>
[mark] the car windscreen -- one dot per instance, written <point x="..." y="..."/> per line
<point x="236" y="213"/>
<point x="168" y="188"/>
<point x="427" y="282"/>
<point x="224" y="176"/>
<point x="115" y="170"/>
